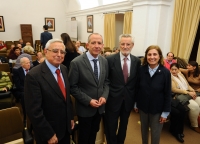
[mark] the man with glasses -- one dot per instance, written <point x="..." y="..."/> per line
<point x="123" y="69"/>
<point x="89" y="85"/>
<point x="47" y="97"/>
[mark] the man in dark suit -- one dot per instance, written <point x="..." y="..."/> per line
<point x="123" y="69"/>
<point x="47" y="97"/>
<point x="89" y="85"/>
<point x="19" y="77"/>
<point x="45" y="36"/>
<point x="37" y="61"/>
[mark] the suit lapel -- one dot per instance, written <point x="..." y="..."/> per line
<point x="132" y="68"/>
<point x="101" y="68"/>
<point x="87" y="62"/>
<point x="118" y="67"/>
<point x="48" y="76"/>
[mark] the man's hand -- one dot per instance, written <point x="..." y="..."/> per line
<point x="102" y="100"/>
<point x="53" y="140"/>
<point x="162" y="120"/>
<point x="136" y="110"/>
<point x="72" y="124"/>
<point x="95" y="103"/>
<point x="4" y="89"/>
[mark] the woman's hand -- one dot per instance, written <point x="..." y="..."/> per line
<point x="193" y="95"/>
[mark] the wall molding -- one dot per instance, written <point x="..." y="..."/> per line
<point x="120" y="6"/>
<point x="137" y="3"/>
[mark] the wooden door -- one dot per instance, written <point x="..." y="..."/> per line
<point x="26" y="33"/>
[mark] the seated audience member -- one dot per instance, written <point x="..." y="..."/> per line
<point x="27" y="52"/>
<point x="170" y="59"/>
<point x="192" y="75"/>
<point x="115" y="50"/>
<point x="28" y="44"/>
<point x="80" y="48"/>
<point x="107" y="54"/>
<point x="21" y="42"/>
<point x="13" y="55"/>
<point x="5" y="83"/>
<point x="19" y="77"/>
<point x="2" y="46"/>
<point x="39" y="56"/>
<point x="184" y="91"/>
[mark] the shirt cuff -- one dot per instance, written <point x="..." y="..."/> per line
<point x="164" y="114"/>
<point x="135" y="105"/>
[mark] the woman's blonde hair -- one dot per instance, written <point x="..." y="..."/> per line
<point x="156" y="47"/>
<point x="28" y="50"/>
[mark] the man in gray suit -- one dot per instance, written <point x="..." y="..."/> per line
<point x="89" y="85"/>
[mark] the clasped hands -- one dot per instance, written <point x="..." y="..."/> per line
<point x="97" y="103"/>
<point x="192" y="94"/>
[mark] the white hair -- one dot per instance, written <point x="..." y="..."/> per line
<point x="22" y="60"/>
<point x="53" y="41"/>
<point x="126" y="36"/>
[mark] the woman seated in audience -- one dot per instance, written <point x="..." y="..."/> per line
<point x="192" y="74"/>
<point x="28" y="50"/>
<point x="170" y="60"/>
<point x="13" y="55"/>
<point x="181" y="88"/>
<point x="5" y="83"/>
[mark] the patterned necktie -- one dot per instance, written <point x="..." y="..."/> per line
<point x="125" y="70"/>
<point x="60" y="83"/>
<point x="95" y="68"/>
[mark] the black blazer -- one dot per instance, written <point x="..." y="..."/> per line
<point x="45" y="37"/>
<point x="118" y="89"/>
<point x="154" y="93"/>
<point x="35" y="63"/>
<point x="19" y="77"/>
<point x="46" y="107"/>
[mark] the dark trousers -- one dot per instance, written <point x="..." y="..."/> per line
<point x="88" y="128"/>
<point x="111" y="125"/>
<point x="177" y="116"/>
<point x="64" y="140"/>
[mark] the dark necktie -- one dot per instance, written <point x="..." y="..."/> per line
<point x="95" y="68"/>
<point x="60" y="83"/>
<point x="26" y="71"/>
<point x="125" y="70"/>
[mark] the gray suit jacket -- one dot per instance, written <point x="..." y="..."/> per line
<point x="84" y="86"/>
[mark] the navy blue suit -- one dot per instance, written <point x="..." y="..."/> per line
<point x="45" y="37"/>
<point x="154" y="93"/>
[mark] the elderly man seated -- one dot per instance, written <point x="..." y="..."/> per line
<point x="19" y="77"/>
<point x="79" y="47"/>
<point x="2" y="46"/>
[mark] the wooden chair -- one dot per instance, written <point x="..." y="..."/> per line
<point x="3" y="54"/>
<point x="106" y="48"/>
<point x="8" y="42"/>
<point x="34" y="57"/>
<point x="16" y="42"/>
<point x="4" y="67"/>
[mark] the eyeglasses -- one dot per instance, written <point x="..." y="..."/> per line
<point x="57" y="51"/>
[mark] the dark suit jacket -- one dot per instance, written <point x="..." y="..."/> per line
<point x="45" y="37"/>
<point x="119" y="90"/>
<point x="154" y="93"/>
<point x="46" y="107"/>
<point x="35" y="63"/>
<point x="19" y="77"/>
<point x="84" y="85"/>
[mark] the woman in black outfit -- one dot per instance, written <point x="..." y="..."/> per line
<point x="70" y="48"/>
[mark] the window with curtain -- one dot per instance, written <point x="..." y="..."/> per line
<point x="86" y="4"/>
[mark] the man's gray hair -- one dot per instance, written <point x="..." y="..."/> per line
<point x="126" y="36"/>
<point x="94" y="34"/>
<point x="22" y="60"/>
<point x="53" y="41"/>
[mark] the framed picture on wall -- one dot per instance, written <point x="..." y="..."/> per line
<point x="90" y="23"/>
<point x="73" y="18"/>
<point x="51" y="23"/>
<point x="2" y="26"/>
